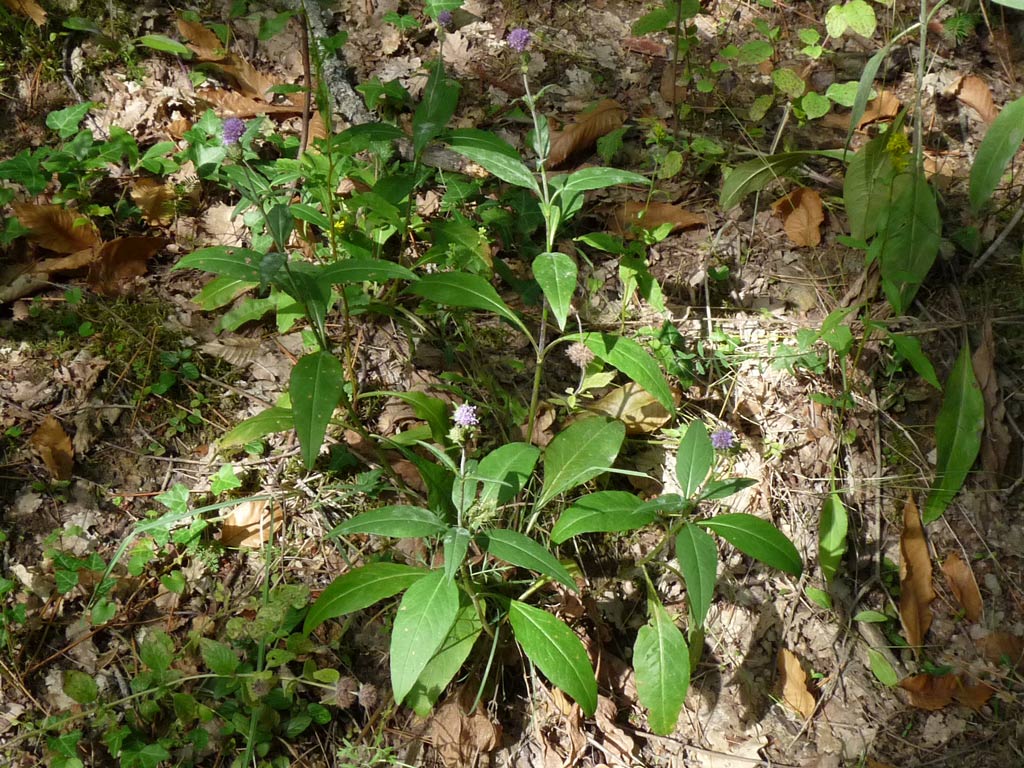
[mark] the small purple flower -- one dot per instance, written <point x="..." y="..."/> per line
<point x="465" y="416"/>
<point x="232" y="131"/>
<point x="722" y="439"/>
<point x="518" y="39"/>
<point x="445" y="19"/>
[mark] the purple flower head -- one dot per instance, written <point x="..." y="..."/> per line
<point x="232" y="131"/>
<point x="518" y="39"/>
<point x="722" y="439"/>
<point x="445" y="19"/>
<point x="465" y="416"/>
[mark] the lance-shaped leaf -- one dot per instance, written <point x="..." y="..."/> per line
<point x="556" y="651"/>
<point x="504" y="471"/>
<point x="424" y="618"/>
<point x="695" y="458"/>
<point x="461" y="289"/>
<point x="698" y="560"/>
<point x="440" y="97"/>
<point x="662" y="665"/>
<point x="494" y="154"/>
<point x="360" y="589"/>
<point x="832" y="529"/>
<point x="579" y="453"/>
<point x="517" y="549"/>
<point x="604" y="511"/>
<point x="633" y="360"/>
<point x="997" y="149"/>
<point x="398" y="522"/>
<point x="448" y="660"/>
<point x="316" y="387"/>
<point x="556" y="273"/>
<point x="757" y="538"/>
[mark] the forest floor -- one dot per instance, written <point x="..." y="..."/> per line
<point x="110" y="398"/>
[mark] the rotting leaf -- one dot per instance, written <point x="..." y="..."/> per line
<point x="55" y="228"/>
<point x="250" y="524"/>
<point x="962" y="583"/>
<point x="635" y="407"/>
<point x="974" y="92"/>
<point x="53" y="445"/>
<point x="802" y="214"/>
<point x="633" y="213"/>
<point x="793" y="681"/>
<point x="932" y="692"/>
<point x="916" y="593"/>
<point x="580" y="136"/>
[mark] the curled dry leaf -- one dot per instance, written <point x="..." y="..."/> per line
<point x="234" y="104"/>
<point x="250" y="524"/>
<point x="581" y="136"/>
<point x="458" y="737"/>
<point x="963" y="585"/>
<point x="208" y="48"/>
<point x="916" y="593"/>
<point x="204" y="43"/>
<point x="155" y="200"/>
<point x="793" y="681"/>
<point x="935" y="692"/>
<point x="635" y="407"/>
<point x="633" y="213"/>
<point x="885" y="106"/>
<point x="996" y="440"/>
<point x="1004" y="648"/>
<point x="29" y="8"/>
<point x="802" y="215"/>
<point x="974" y="92"/>
<point x="53" y="445"/>
<point x="57" y="229"/>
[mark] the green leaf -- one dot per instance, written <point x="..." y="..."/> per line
<point x="80" y="686"/>
<point x="1001" y="142"/>
<point x="556" y="651"/>
<point x="589" y="179"/>
<point x="580" y="453"/>
<point x="757" y="538"/>
<point x="662" y="665"/>
<point x="359" y="138"/>
<point x="364" y="270"/>
<point x="871" y="617"/>
<point x="755" y="175"/>
<point x="909" y="348"/>
<point x="267" y="422"/>
<point x="864" y="89"/>
<point x="721" y="489"/>
<point x="398" y="522"/>
<point x="166" y="45"/>
<point x="455" y="546"/>
<point x="448" y="660"/>
<point x="819" y="597"/>
<point x="755" y="52"/>
<point x="228" y="261"/>
<point x="910" y="242"/>
<point x="602" y="512"/>
<point x="144" y="756"/>
<point x="698" y="560"/>
<point x="520" y="550"/>
<point x="317" y="384"/>
<point x="432" y="410"/>
<point x="360" y="589"/>
<point x="440" y="97"/>
<point x="882" y="669"/>
<point x="631" y="359"/>
<point x="556" y="275"/>
<point x="218" y="657"/>
<point x="459" y="289"/>
<point x="856" y="16"/>
<point x="424" y="618"/>
<point x="815" y="105"/>
<point x="867" y="188"/>
<point x="789" y="82"/>
<point x="505" y="471"/>
<point x="66" y="121"/>
<point x="494" y="154"/>
<point x="832" y="530"/>
<point x="694" y="459"/>
<point x="958" y="429"/>
<point x="157" y="651"/>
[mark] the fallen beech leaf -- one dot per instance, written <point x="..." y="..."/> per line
<point x="177" y="128"/>
<point x="916" y="593"/>
<point x="29" y="8"/>
<point x="975" y="93"/>
<point x="635" y="407"/>
<point x="203" y="42"/>
<point x="931" y="692"/>
<point x="580" y="136"/>
<point x="155" y="200"/>
<point x="801" y="214"/>
<point x="458" y="737"/>
<point x="121" y="260"/>
<point x="1004" y="648"/>
<point x="793" y="681"/>
<point x="234" y="104"/>
<point x="55" y="228"/>
<point x="75" y="261"/>
<point x="53" y="445"/>
<point x="651" y="216"/>
<point x="614" y="739"/>
<point x="882" y="107"/>
<point x="249" y="524"/>
<point x="962" y="583"/>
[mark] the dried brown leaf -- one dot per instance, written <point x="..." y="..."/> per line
<point x="996" y="439"/>
<point x="235" y="104"/>
<point x="635" y="407"/>
<point x="616" y="742"/>
<point x="872" y="763"/>
<point x="249" y="524"/>
<point x="120" y="261"/>
<point x="460" y="738"/>
<point x="1004" y="648"/>
<point x="793" y="681"/>
<point x="53" y="445"/>
<point x="581" y="136"/>
<point x="885" y="106"/>
<point x="72" y="263"/>
<point x="55" y="228"/>
<point x="29" y="8"/>
<point x="963" y="585"/>
<point x="155" y="200"/>
<point x="633" y="213"/>
<point x="235" y="350"/>
<point x="916" y="593"/>
<point x="802" y="214"/>
<point x="935" y="692"/>
<point x="203" y="42"/>
<point x="974" y="92"/>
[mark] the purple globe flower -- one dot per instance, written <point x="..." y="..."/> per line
<point x="445" y="19"/>
<point x="465" y="416"/>
<point x="722" y="439"/>
<point x="232" y="131"/>
<point x="518" y="39"/>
